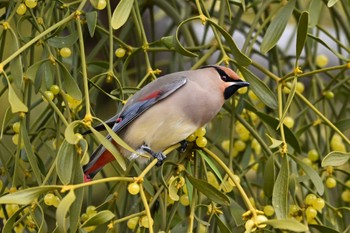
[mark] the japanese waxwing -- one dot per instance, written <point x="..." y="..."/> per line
<point x="166" y="111"/>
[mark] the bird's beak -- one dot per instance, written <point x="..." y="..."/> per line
<point x="234" y="86"/>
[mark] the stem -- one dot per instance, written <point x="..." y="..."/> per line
<point x="147" y="210"/>
<point x="84" y="69"/>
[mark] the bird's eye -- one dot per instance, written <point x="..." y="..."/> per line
<point x="224" y="78"/>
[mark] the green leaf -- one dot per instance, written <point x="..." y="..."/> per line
<point x="91" y="20"/>
<point x="16" y="65"/>
<point x="269" y="176"/>
<point x="274" y="142"/>
<point x="16" y="104"/>
<point x="64" y="162"/>
<point x="69" y="133"/>
<point x="280" y="190"/>
<point x="211" y="164"/>
<point x="302" y="33"/>
<point x="237" y="211"/>
<point x="177" y="44"/>
<point x="287" y="224"/>
<point x="277" y="26"/>
<point x="31" y="72"/>
<point x="168" y="41"/>
<point x="261" y="90"/>
<point x="315" y="10"/>
<point x="62" y="211"/>
<point x="110" y="147"/>
<point x="64" y="41"/>
<point x="209" y="191"/>
<point x="29" y="151"/>
<point x="222" y="227"/>
<point x="121" y="13"/>
<point x="99" y="218"/>
<point x="343" y="125"/>
<point x="26" y="196"/>
<point x="241" y="58"/>
<point x="331" y="3"/>
<point x="324" y="229"/>
<point x="69" y="85"/>
<point x="335" y="158"/>
<point x="38" y="216"/>
<point x="312" y="174"/>
<point x="289" y="101"/>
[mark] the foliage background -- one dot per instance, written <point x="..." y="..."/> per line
<point x="283" y="40"/>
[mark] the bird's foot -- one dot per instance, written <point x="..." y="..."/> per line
<point x="157" y="155"/>
<point x="183" y="146"/>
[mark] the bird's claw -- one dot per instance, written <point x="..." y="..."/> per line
<point x="157" y="155"/>
<point x="160" y="157"/>
<point x="183" y="146"/>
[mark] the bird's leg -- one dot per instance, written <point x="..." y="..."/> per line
<point x="157" y="155"/>
<point x="183" y="146"/>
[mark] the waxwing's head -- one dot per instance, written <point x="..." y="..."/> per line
<point x="231" y="81"/>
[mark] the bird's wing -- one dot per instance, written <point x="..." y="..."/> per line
<point x="146" y="98"/>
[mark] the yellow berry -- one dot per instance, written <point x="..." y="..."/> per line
<point x="31" y="3"/>
<point x="313" y="155"/>
<point x="134" y="188"/>
<point x="48" y="199"/>
<point x="318" y="204"/>
<point x="84" y="217"/>
<point x="225" y="144"/>
<point x="293" y="209"/>
<point x="184" y="200"/>
<point x="259" y="219"/>
<point x="201" y="142"/>
<point x="55" y="89"/>
<point x="132" y="223"/>
<point x="288" y="121"/>
<point x="101" y="4"/>
<point x="239" y="145"/>
<point x="345" y="195"/>
<point x="21" y="9"/>
<point x="256" y="146"/>
<point x="242" y="90"/>
<point x="338" y="146"/>
<point x="145" y="223"/>
<point x="15" y="138"/>
<point x="200" y="132"/>
<point x="16" y="127"/>
<point x="300" y="87"/>
<point x="252" y="96"/>
<point x="329" y="94"/>
<point x="321" y="60"/>
<point x="307" y="161"/>
<point x="202" y="228"/>
<point x="65" y="52"/>
<point x="310" y="213"/>
<point x="250" y="226"/>
<point x="120" y="52"/>
<point x="49" y="95"/>
<point x="191" y="138"/>
<point x="331" y="182"/>
<point x="269" y="210"/>
<point x="212" y="179"/>
<point x="227" y="186"/>
<point x="56" y="201"/>
<point x="91" y="210"/>
<point x="347" y="184"/>
<point x="310" y="199"/>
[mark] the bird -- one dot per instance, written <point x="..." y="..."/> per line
<point x="165" y="112"/>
